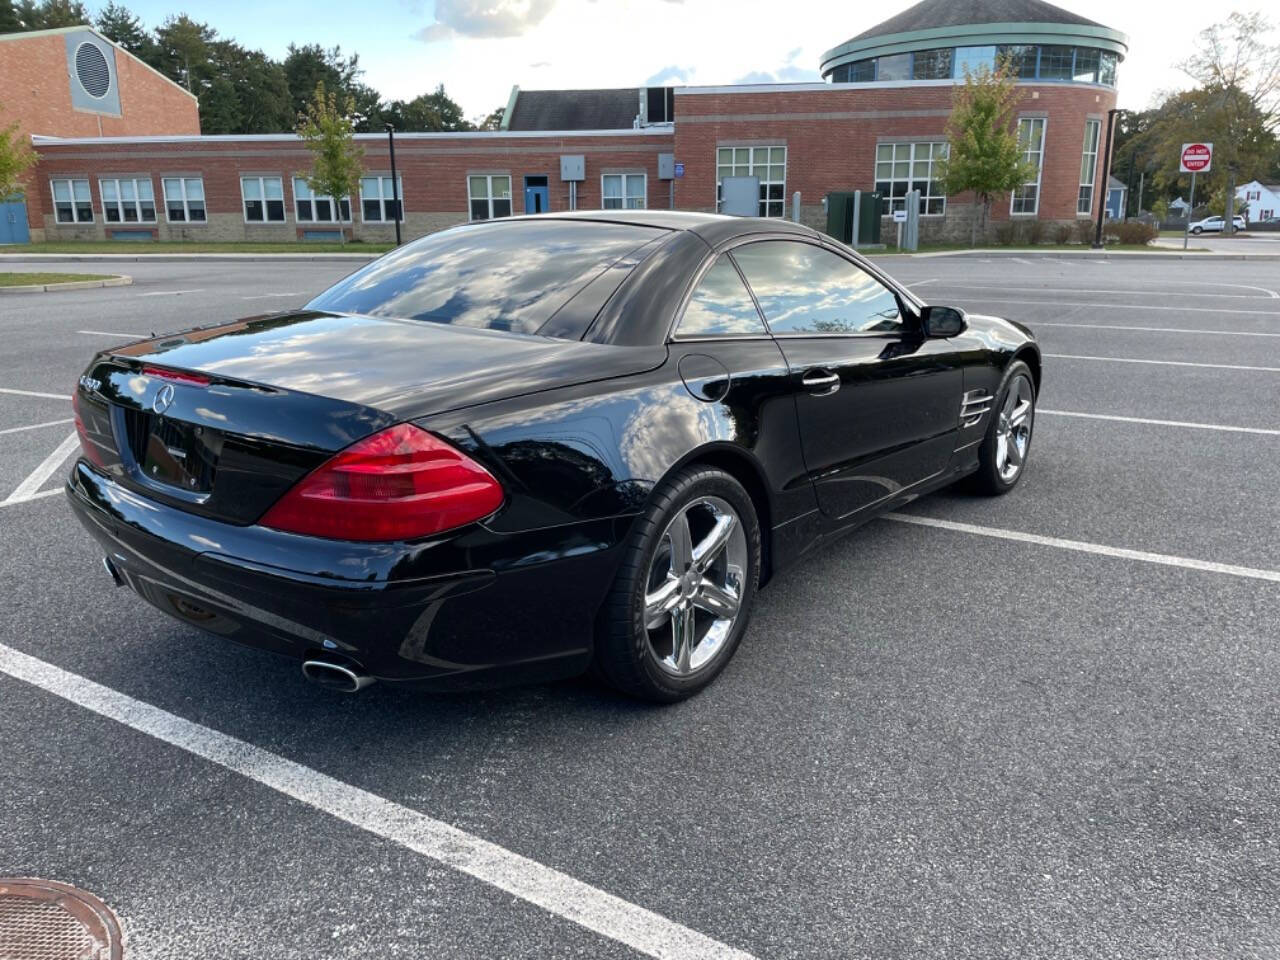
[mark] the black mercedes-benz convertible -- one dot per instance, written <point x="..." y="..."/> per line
<point x="530" y="447"/>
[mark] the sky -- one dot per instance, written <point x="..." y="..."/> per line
<point x="479" y="48"/>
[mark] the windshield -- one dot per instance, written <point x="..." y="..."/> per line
<point x="497" y="276"/>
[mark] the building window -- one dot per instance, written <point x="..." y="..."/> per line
<point x="1088" y="166"/>
<point x="312" y="207"/>
<point x="623" y="191"/>
<point x="1026" y="199"/>
<point x="896" y="67"/>
<point x="1022" y="60"/>
<point x="263" y="199"/>
<point x="972" y="60"/>
<point x="184" y="199"/>
<point x="903" y="167"/>
<point x="1056" y="63"/>
<point x="862" y="71"/>
<point x="127" y="201"/>
<point x="767" y="163"/>
<point x="1086" y="68"/>
<point x="489" y="196"/>
<point x="72" y="202"/>
<point x="378" y="199"/>
<point x="1107" y="69"/>
<point x="932" y="65"/>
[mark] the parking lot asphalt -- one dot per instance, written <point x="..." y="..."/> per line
<point x="1044" y="726"/>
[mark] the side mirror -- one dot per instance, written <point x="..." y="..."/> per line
<point x="943" y="321"/>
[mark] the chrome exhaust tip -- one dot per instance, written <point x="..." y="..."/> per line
<point x="336" y="676"/>
<point x="110" y="567"/>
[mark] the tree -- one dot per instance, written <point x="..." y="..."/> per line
<point x="182" y="50"/>
<point x="494" y="120"/>
<point x="1239" y="73"/>
<point x="428" y="112"/>
<point x="16" y="158"/>
<point x="328" y="129"/>
<point x="119" y="25"/>
<point x="985" y="156"/>
<point x="243" y="91"/>
<point x="9" y="22"/>
<point x="51" y="14"/>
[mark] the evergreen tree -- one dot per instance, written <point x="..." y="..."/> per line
<point x="118" y="24"/>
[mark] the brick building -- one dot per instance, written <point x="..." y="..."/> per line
<point x="876" y="123"/>
<point x="74" y="82"/>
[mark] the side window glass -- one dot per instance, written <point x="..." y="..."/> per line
<point x="721" y="306"/>
<point x="805" y="289"/>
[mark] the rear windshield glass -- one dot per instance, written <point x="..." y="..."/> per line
<point x="497" y="276"/>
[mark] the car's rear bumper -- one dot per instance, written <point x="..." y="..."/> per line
<point x="471" y="609"/>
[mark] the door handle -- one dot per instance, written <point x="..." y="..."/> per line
<point x="820" y="381"/>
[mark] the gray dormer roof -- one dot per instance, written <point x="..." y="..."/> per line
<point x="608" y="109"/>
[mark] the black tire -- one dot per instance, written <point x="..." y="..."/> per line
<point x="989" y="479"/>
<point x="1197" y="230"/>
<point x="624" y="654"/>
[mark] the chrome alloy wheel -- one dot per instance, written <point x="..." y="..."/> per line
<point x="1013" y="429"/>
<point x="694" y="589"/>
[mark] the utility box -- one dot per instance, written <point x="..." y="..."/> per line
<point x="666" y="166"/>
<point x="841" y="212"/>
<point x="573" y="167"/>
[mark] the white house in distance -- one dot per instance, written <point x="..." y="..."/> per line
<point x="1258" y="200"/>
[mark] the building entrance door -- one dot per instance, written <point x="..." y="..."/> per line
<point x="537" y="195"/>
<point x="13" y="221"/>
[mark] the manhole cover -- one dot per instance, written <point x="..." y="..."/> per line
<point x="45" y="920"/>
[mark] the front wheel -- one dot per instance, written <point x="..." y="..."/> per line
<point x="1002" y="458"/>
<point x="684" y="590"/>
<point x="1197" y="230"/>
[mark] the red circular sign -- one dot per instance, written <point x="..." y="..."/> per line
<point x="1196" y="157"/>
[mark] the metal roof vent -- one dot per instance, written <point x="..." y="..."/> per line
<point x="92" y="70"/>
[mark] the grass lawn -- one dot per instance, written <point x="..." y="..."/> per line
<point x="134" y="248"/>
<point x="23" y="279"/>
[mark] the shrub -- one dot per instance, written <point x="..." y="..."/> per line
<point x="1084" y="231"/>
<point x="1004" y="235"/>
<point x="1062" y="235"/>
<point x="1035" y="232"/>
<point x="1132" y="232"/>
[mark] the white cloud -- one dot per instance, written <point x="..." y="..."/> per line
<point x="484" y="18"/>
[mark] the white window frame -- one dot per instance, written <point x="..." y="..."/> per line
<point x="913" y="181"/>
<point x="1032" y="152"/>
<point x="262" y="189"/>
<point x="1089" y="167"/>
<point x="185" y="200"/>
<point x="750" y="166"/>
<point x="120" y="203"/>
<point x="71" y="187"/>
<point x="313" y="197"/>
<point x="626" y="198"/>
<point x="489" y="178"/>
<point x="384" y="198"/>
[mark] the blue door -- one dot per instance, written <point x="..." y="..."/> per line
<point x="537" y="195"/>
<point x="13" y="222"/>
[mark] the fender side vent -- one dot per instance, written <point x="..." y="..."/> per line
<point x="975" y="405"/>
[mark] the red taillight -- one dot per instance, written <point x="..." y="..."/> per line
<point x="177" y="376"/>
<point x="400" y="484"/>
<point x="87" y="446"/>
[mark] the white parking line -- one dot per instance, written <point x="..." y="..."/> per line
<point x="1004" y="288"/>
<point x="35" y="496"/>
<point x="170" y="293"/>
<point x="34" y="426"/>
<point x="544" y="887"/>
<point x="112" y="333"/>
<point x="269" y="296"/>
<point x="1164" y="363"/>
<point x="1116" y="326"/>
<point x="1160" y="423"/>
<point x="1123" y="306"/>
<point x="1082" y="546"/>
<point x="26" y="490"/>
<point x="35" y="393"/>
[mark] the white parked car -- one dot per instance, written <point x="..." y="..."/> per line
<point x="1215" y="224"/>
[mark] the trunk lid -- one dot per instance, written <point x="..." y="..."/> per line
<point x="274" y="397"/>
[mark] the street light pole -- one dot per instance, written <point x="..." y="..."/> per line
<point x="395" y="183"/>
<point x="1105" y="176"/>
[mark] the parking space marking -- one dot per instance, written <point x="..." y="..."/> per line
<point x="543" y="886"/>
<point x="1160" y="423"/>
<point x="1126" y="306"/>
<point x="1082" y="546"/>
<point x="170" y="293"/>
<point x="1116" y="326"/>
<point x="26" y="490"/>
<point x="269" y="296"/>
<point x="35" y="393"/>
<point x="1124" y="293"/>
<point x="1164" y="363"/>
<point x="110" y="333"/>
<point x="35" y="496"/>
<point x="34" y="426"/>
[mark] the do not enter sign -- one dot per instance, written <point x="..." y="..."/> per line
<point x="1196" y="157"/>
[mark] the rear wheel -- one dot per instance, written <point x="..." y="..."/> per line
<point x="1197" y="229"/>
<point x="684" y="590"/>
<point x="1003" y="455"/>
